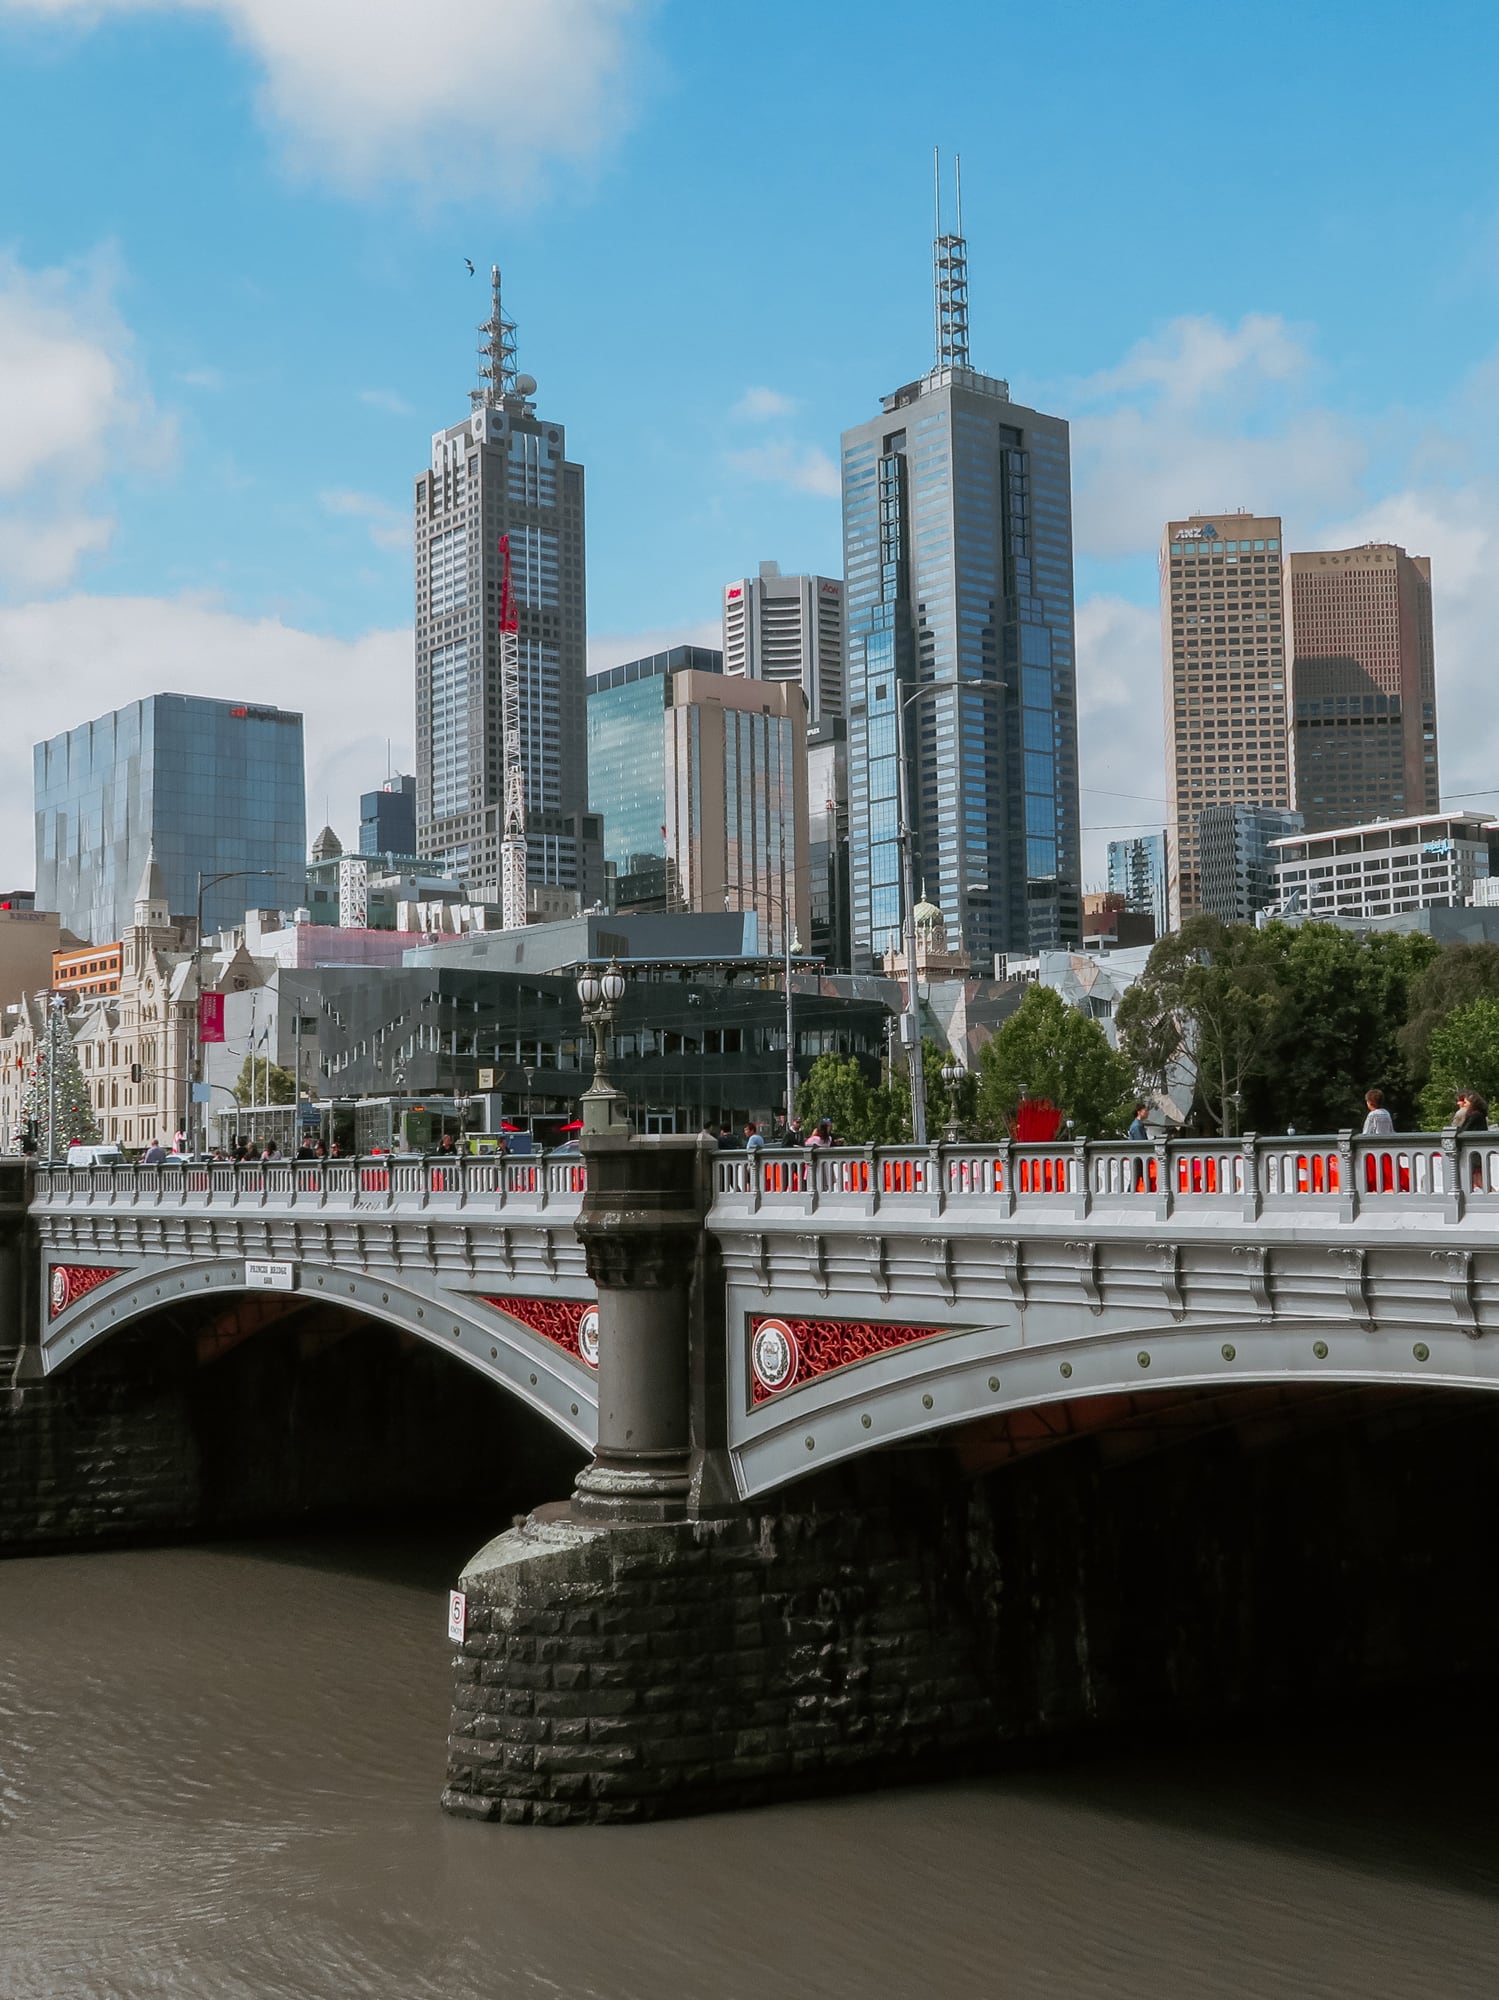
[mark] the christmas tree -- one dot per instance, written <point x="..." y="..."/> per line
<point x="75" y="1111"/>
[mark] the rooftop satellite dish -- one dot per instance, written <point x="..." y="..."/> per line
<point x="525" y="385"/>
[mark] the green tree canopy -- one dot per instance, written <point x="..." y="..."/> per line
<point x="1454" y="977"/>
<point x="1048" y="1049"/>
<point x="836" y="1089"/>
<point x="1337" y="1031"/>
<point x="259" y="1072"/>
<point x="1217" y="991"/>
<point x="1464" y="1055"/>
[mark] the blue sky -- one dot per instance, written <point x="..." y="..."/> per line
<point x="1252" y="252"/>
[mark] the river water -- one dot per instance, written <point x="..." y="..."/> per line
<point x="219" y="1770"/>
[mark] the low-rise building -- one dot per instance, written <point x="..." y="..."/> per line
<point x="1386" y="868"/>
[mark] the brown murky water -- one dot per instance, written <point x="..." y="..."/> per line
<point x="219" y="1770"/>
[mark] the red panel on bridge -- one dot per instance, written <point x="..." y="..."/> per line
<point x="570" y="1324"/>
<point x="784" y="1352"/>
<point x="68" y="1283"/>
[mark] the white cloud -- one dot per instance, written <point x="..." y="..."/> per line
<point x="71" y="409"/>
<point x="1203" y="419"/>
<point x="759" y="405"/>
<point x="366" y="91"/>
<point x="387" y="400"/>
<point x="72" y="658"/>
<point x="388" y="529"/>
<point x="613" y="649"/>
<point x="804" y="468"/>
<point x="1120" y="727"/>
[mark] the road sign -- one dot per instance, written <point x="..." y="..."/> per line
<point x="457" y="1616"/>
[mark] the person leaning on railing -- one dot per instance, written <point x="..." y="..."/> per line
<point x="1472" y="1112"/>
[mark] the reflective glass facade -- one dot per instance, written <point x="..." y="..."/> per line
<point x="627" y="750"/>
<point x="207" y="785"/>
<point x="958" y="559"/>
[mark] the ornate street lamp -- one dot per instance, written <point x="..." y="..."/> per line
<point x="603" y="1106"/>
<point x="953" y="1074"/>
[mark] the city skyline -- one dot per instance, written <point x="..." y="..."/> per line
<point x="195" y="526"/>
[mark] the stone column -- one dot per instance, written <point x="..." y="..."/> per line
<point x="642" y="1230"/>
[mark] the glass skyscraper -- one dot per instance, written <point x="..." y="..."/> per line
<point x="957" y="534"/>
<point x="627" y="752"/>
<point x="205" y="786"/>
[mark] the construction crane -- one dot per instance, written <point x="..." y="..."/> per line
<point x="513" y="836"/>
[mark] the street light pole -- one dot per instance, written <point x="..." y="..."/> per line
<point x="912" y="1036"/>
<point x="197" y="1116"/>
<point x="604" y="1112"/>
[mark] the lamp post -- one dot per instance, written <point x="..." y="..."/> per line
<point x="953" y="1074"/>
<point x="197" y="1116"/>
<point x="603" y="1106"/>
<point x="912" y="1033"/>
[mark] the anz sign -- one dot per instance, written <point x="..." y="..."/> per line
<point x="1207" y="534"/>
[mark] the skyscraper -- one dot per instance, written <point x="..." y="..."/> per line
<point x="788" y="628"/>
<point x="957" y="534"/>
<point x="387" y="817"/>
<point x="1137" y="871"/>
<point x="503" y="471"/>
<point x="1236" y="858"/>
<point x="1363" y="684"/>
<point x="1224" y="671"/>
<point x="200" y="786"/>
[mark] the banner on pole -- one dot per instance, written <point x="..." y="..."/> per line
<point x="210" y="1017"/>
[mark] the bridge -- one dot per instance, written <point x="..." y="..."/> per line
<point x="825" y="1527"/>
<point x="868" y="1297"/>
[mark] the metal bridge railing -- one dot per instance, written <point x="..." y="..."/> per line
<point x="389" y="1182"/>
<point x="1336" y="1174"/>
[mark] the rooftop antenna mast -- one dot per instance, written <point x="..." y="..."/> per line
<point x="950" y="273"/>
<point x="496" y="352"/>
<point x="513" y="832"/>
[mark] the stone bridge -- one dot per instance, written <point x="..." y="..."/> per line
<point x="854" y="1300"/>
<point x="826" y="1528"/>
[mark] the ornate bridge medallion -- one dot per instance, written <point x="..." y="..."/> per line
<point x="68" y="1283"/>
<point x="784" y="1352"/>
<point x="571" y="1324"/>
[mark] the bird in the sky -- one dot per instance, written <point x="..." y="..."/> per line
<point x="470" y="263"/>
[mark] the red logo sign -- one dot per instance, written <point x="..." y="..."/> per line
<point x="210" y="1017"/>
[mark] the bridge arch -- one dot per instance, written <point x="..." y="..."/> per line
<point x="952" y="1380"/>
<point x="483" y="1336"/>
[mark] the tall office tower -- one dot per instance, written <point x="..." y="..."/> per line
<point x="502" y="471"/>
<point x="788" y="628"/>
<point x="387" y="817"/>
<point x="1137" y="872"/>
<point x="627" y="770"/>
<point x="1236" y="858"/>
<point x="957" y="535"/>
<point x="1223" y="657"/>
<point x="736" y="801"/>
<point x="205" y="787"/>
<point x="1363" y="684"/>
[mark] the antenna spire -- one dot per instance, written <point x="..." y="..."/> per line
<point x="496" y="352"/>
<point x="950" y="274"/>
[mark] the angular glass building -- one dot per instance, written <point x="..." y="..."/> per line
<point x="957" y="533"/>
<point x="206" y="786"/>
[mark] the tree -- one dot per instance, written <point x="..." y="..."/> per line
<point x="1338" y="1032"/>
<point x="76" y="1124"/>
<point x="836" y="1089"/>
<point x="1048" y="1049"/>
<point x="263" y="1082"/>
<point x="1214" y="991"/>
<point x="1455" y="977"/>
<point x="1464" y="1055"/>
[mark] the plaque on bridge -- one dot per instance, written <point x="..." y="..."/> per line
<point x="267" y="1275"/>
